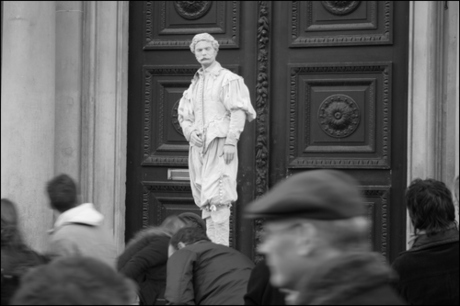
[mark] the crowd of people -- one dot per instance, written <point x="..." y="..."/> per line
<point x="316" y="248"/>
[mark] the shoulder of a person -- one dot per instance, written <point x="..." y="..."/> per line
<point x="74" y="230"/>
<point x="229" y="75"/>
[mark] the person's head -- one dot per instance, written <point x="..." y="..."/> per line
<point x="294" y="247"/>
<point x="193" y="220"/>
<point x="311" y="218"/>
<point x="75" y="281"/>
<point x="430" y="206"/>
<point x="186" y="236"/>
<point x="205" y="48"/>
<point x="10" y="228"/>
<point x="172" y="224"/>
<point x="62" y="192"/>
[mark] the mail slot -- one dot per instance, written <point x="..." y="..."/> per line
<point x="178" y="175"/>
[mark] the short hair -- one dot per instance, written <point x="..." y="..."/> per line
<point x="193" y="220"/>
<point x="188" y="235"/>
<point x="430" y="205"/>
<point x="203" y="37"/>
<point x="10" y="232"/>
<point x="62" y="192"/>
<point x="75" y="281"/>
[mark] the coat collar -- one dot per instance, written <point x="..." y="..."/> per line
<point x="344" y="277"/>
<point x="424" y="241"/>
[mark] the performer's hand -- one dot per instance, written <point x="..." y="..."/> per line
<point x="196" y="140"/>
<point x="229" y="153"/>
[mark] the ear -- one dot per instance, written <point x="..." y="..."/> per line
<point x="181" y="245"/>
<point x="306" y="237"/>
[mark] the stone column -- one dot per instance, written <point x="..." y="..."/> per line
<point x="27" y="112"/>
<point x="433" y="92"/>
<point x="69" y="40"/>
<point x="104" y="110"/>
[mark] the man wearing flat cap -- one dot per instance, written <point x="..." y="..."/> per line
<point x="212" y="114"/>
<point x="316" y="242"/>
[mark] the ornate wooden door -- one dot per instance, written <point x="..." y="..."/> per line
<point x="328" y="80"/>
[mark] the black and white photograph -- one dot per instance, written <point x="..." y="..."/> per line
<point x="230" y="152"/>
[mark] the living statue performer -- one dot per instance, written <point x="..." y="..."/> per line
<point x="212" y="114"/>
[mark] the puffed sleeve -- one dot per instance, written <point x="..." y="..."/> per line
<point x="186" y="115"/>
<point x="237" y="99"/>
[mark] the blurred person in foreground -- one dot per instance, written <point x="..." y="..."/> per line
<point x="78" y="229"/>
<point x="316" y="242"/>
<point x="260" y="291"/>
<point x="145" y="256"/>
<point x="201" y="272"/>
<point x="17" y="257"/>
<point x="428" y="271"/>
<point x="75" y="280"/>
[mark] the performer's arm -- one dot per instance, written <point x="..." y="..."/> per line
<point x="186" y="115"/>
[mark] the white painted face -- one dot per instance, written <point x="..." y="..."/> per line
<point x="205" y="53"/>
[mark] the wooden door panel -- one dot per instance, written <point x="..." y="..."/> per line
<point x="163" y="141"/>
<point x="339" y="115"/>
<point x="328" y="80"/>
<point x="330" y="23"/>
<point x="171" y="24"/>
<point x="340" y="102"/>
<point x="378" y="212"/>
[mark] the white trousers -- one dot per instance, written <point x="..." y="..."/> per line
<point x="218" y="225"/>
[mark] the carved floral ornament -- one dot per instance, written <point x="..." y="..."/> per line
<point x="340" y="7"/>
<point x="192" y="9"/>
<point x="339" y="116"/>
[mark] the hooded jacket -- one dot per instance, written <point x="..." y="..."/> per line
<point x="79" y="232"/>
<point x="352" y="279"/>
<point x="144" y="260"/>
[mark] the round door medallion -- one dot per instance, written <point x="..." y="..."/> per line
<point x="192" y="9"/>
<point x="340" y="7"/>
<point x="339" y="116"/>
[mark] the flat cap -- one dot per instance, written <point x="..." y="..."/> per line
<point x="317" y="195"/>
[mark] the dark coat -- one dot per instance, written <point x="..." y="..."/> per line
<point x="15" y="263"/>
<point x="428" y="272"/>
<point x="353" y="279"/>
<point x="144" y="260"/>
<point x="207" y="274"/>
<point x="260" y="291"/>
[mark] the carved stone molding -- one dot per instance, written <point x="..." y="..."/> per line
<point x="382" y="214"/>
<point x="340" y="7"/>
<point x="262" y="109"/>
<point x="316" y="159"/>
<point x="192" y="9"/>
<point x="155" y="187"/>
<point x="159" y="34"/>
<point x="176" y="187"/>
<point x="339" y="116"/>
<point x="306" y="32"/>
